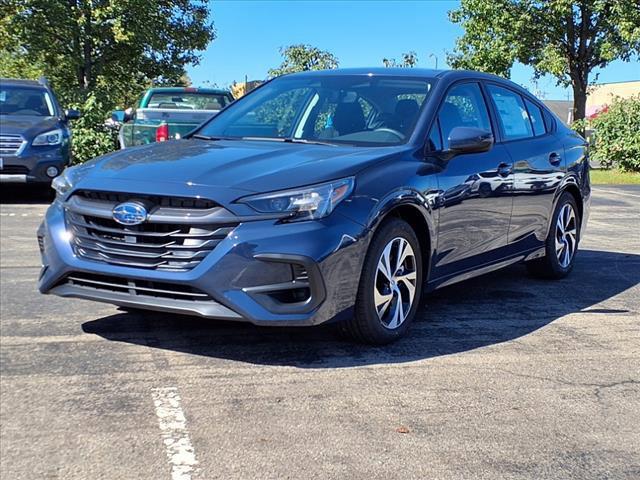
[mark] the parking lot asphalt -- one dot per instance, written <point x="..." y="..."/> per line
<point x="502" y="377"/>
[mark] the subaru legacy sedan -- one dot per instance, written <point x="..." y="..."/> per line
<point x="337" y="196"/>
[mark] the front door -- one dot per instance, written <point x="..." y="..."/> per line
<point x="475" y="190"/>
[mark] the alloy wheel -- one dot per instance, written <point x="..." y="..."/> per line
<point x="395" y="283"/>
<point x="566" y="235"/>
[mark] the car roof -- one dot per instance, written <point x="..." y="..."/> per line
<point x="371" y="71"/>
<point x="18" y="82"/>
<point x="397" y="72"/>
<point x="449" y="75"/>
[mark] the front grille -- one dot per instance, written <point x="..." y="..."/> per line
<point x="138" y="288"/>
<point x="162" y="246"/>
<point x="10" y="144"/>
<point x="155" y="200"/>
<point x="172" y="239"/>
<point x="14" y="170"/>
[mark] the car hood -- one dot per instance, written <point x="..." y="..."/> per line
<point x="27" y="125"/>
<point x="227" y="169"/>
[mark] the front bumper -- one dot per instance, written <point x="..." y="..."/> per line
<point x="238" y="280"/>
<point x="31" y="165"/>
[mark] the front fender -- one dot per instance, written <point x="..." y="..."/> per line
<point x="415" y="208"/>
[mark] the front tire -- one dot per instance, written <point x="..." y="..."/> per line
<point x="562" y="241"/>
<point x="390" y="286"/>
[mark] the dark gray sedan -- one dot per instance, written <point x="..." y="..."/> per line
<point x="338" y="196"/>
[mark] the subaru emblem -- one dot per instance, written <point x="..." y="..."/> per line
<point x="129" y="213"/>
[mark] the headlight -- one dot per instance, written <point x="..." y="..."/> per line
<point x="307" y="203"/>
<point x="54" y="137"/>
<point x="62" y="183"/>
<point x="65" y="182"/>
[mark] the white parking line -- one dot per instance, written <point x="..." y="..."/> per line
<point x="618" y="192"/>
<point x="173" y="428"/>
<point x="13" y="214"/>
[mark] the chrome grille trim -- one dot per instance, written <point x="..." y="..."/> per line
<point x="162" y="296"/>
<point x="131" y="287"/>
<point x="11" y="145"/>
<point x="14" y="170"/>
<point x="157" y="214"/>
<point x="160" y="245"/>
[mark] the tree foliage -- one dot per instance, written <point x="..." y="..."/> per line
<point x="409" y="60"/>
<point x="101" y="54"/>
<point x="301" y="57"/>
<point x="565" y="38"/>
<point x="616" y="134"/>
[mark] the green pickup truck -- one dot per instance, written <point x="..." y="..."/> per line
<point x="167" y="113"/>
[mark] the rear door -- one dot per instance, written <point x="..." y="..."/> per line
<point x="475" y="188"/>
<point x="538" y="163"/>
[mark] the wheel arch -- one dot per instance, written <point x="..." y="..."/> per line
<point x="412" y="209"/>
<point x="575" y="192"/>
<point x="569" y="185"/>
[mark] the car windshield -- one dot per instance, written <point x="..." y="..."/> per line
<point x="25" y="101"/>
<point x="341" y="109"/>
<point x="188" y="101"/>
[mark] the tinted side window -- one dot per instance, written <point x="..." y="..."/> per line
<point x="463" y="107"/>
<point x="548" y="121"/>
<point x="535" y="114"/>
<point x="512" y="114"/>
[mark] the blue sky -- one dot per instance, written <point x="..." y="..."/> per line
<point x="359" y="33"/>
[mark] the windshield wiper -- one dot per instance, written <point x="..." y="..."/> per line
<point x="204" y="137"/>
<point x="308" y="142"/>
<point x="290" y="140"/>
<point x="267" y="139"/>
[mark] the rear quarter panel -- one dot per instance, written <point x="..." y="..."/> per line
<point x="576" y="152"/>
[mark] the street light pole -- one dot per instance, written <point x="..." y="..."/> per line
<point x="436" y="57"/>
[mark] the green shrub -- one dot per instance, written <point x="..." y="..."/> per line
<point x="91" y="137"/>
<point x="616" y="135"/>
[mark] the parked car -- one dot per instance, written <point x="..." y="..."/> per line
<point x="168" y="113"/>
<point x="35" y="139"/>
<point x="339" y="196"/>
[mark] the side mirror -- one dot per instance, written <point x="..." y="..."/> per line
<point x="118" y="116"/>
<point x="72" y="114"/>
<point x="122" y="116"/>
<point x="470" y="140"/>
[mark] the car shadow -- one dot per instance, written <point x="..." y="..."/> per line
<point x="485" y="311"/>
<point x="30" y="194"/>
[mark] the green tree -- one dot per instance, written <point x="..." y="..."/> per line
<point x="301" y="57"/>
<point x="409" y="60"/>
<point x="565" y="38"/>
<point x="85" y="42"/>
<point x="101" y="54"/>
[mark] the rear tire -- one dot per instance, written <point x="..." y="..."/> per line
<point x="390" y="286"/>
<point x="562" y="242"/>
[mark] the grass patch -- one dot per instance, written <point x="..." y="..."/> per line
<point x="614" y="177"/>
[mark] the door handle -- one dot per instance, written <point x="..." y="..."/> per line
<point x="505" y="169"/>
<point x="555" y="159"/>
